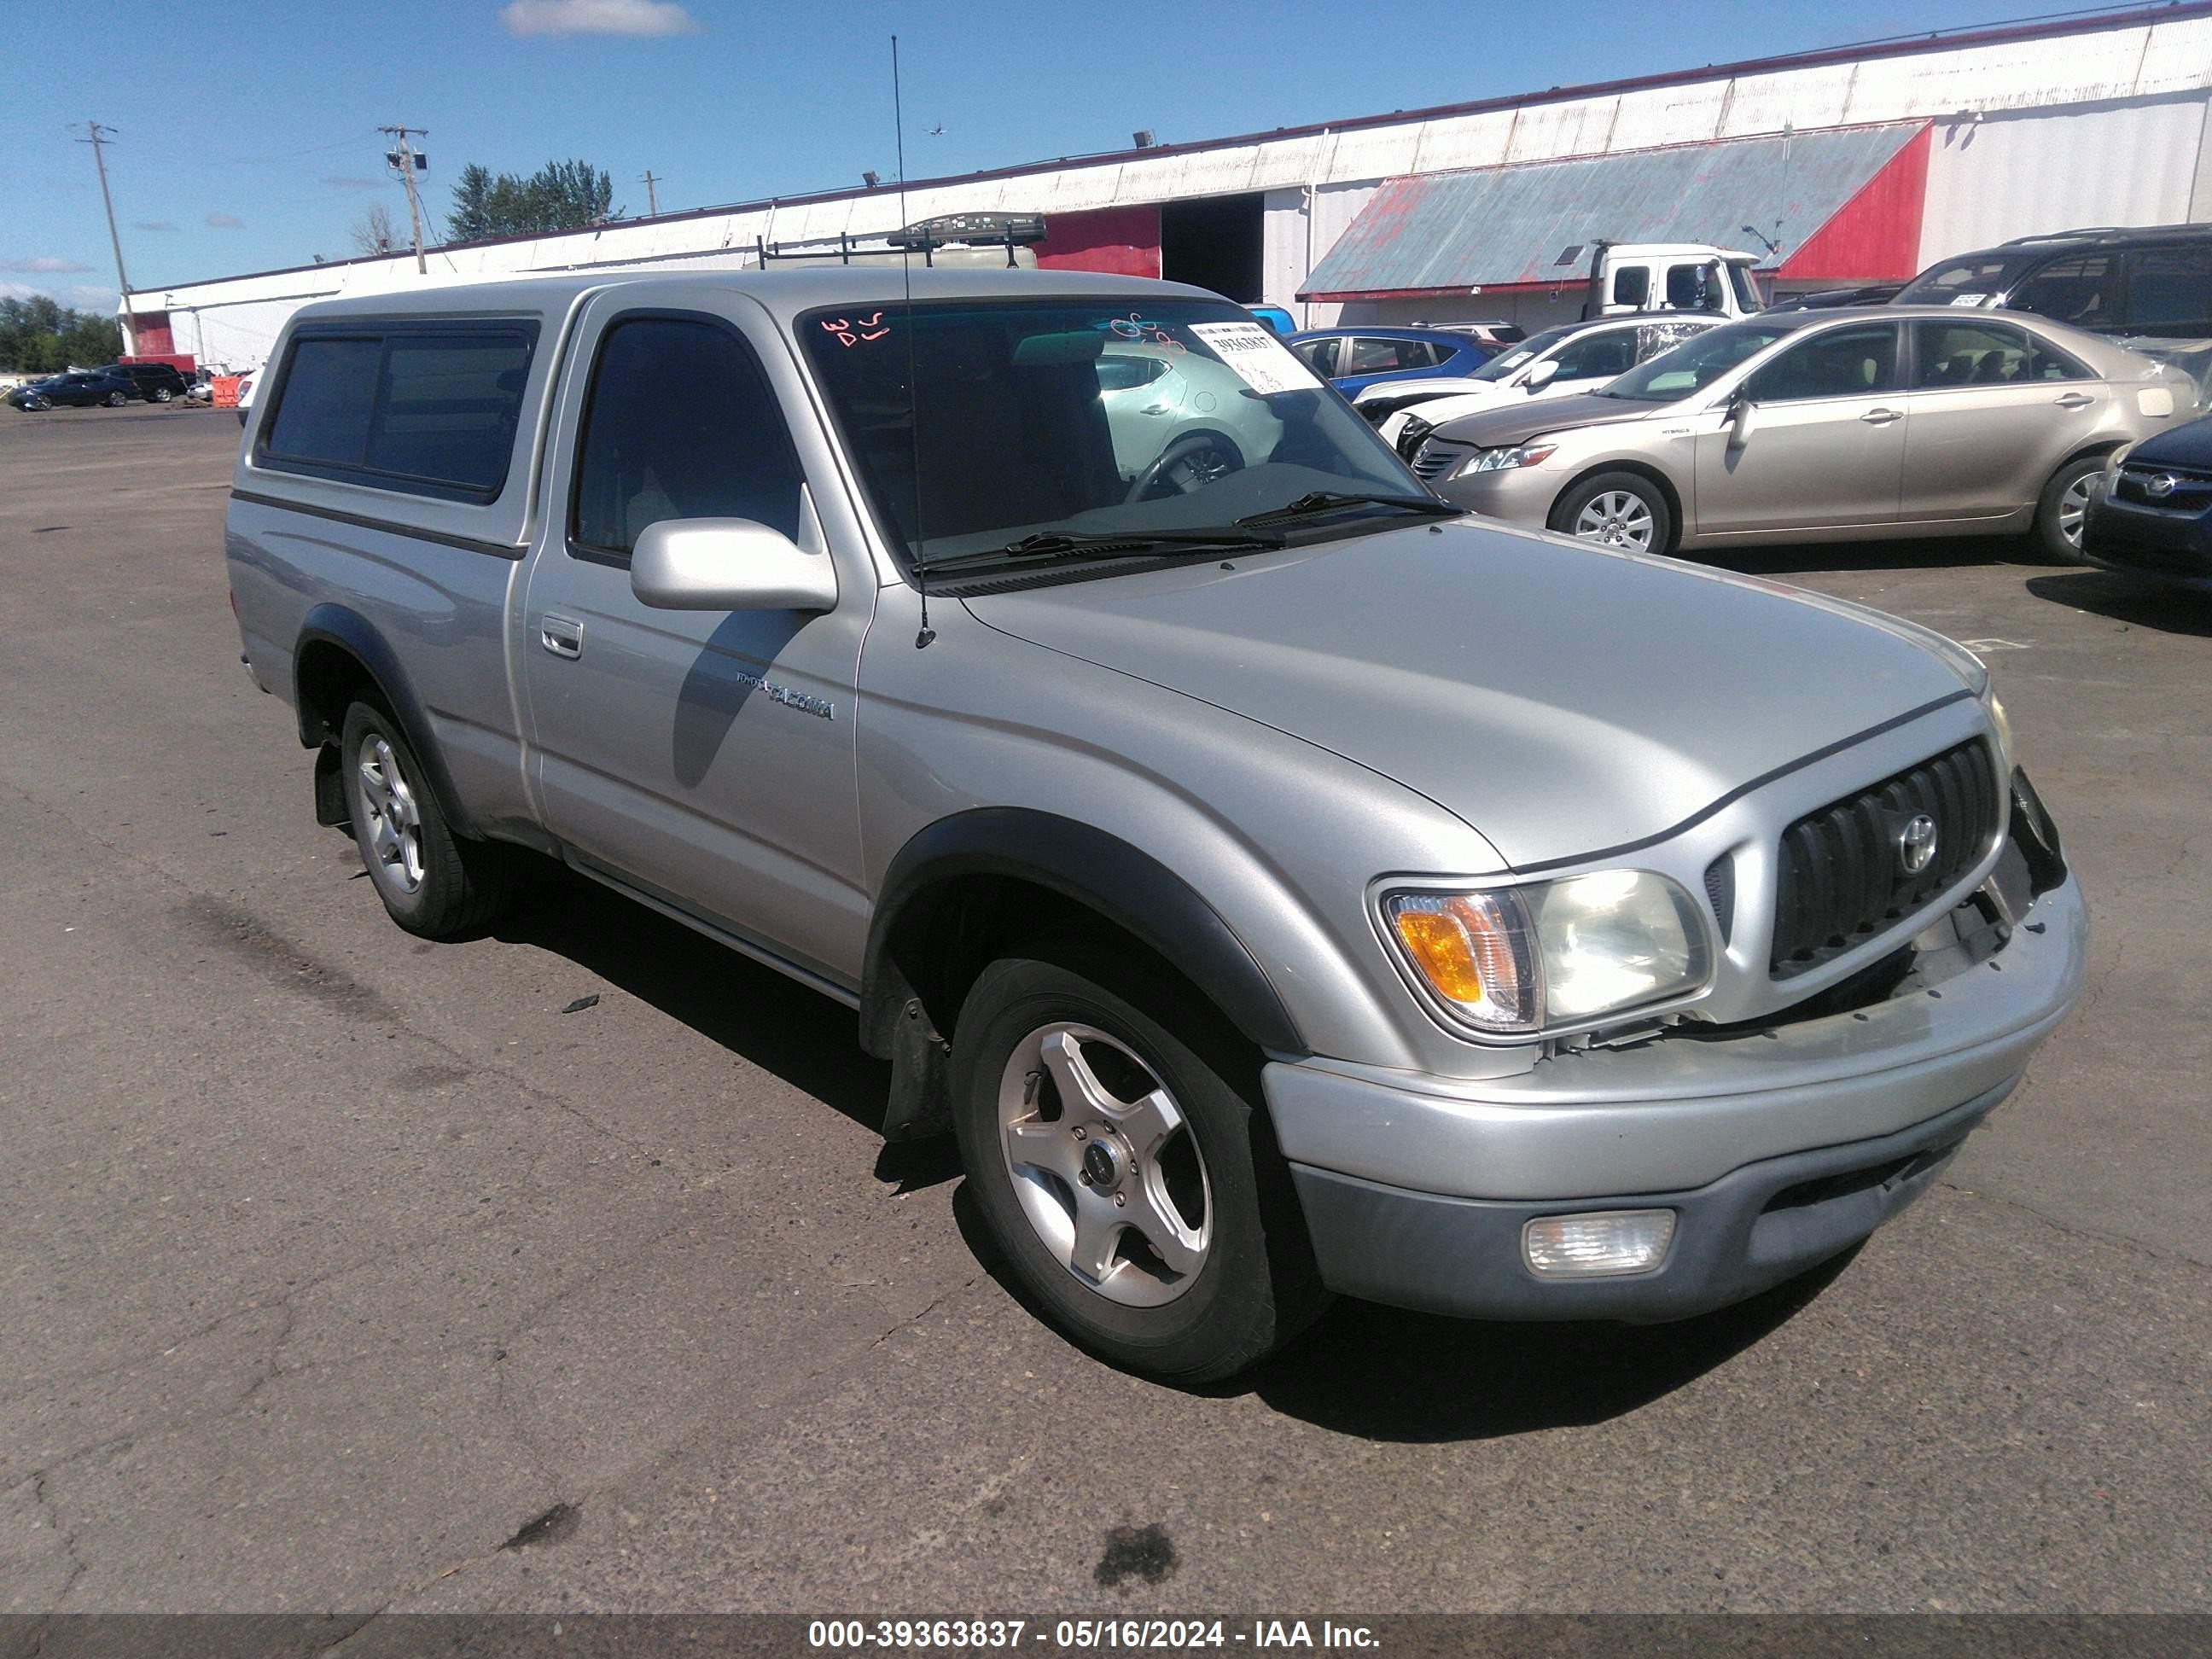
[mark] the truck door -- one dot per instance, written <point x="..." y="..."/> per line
<point x="703" y="758"/>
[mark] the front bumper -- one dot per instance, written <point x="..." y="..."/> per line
<point x="1518" y="494"/>
<point x="2173" y="546"/>
<point x="1415" y="1189"/>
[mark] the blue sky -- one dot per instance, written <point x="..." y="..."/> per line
<point x="247" y="128"/>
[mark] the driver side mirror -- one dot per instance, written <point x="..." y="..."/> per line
<point x="1542" y="376"/>
<point x="727" y="564"/>
<point x="1742" y="411"/>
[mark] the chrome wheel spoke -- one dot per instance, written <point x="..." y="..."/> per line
<point x="1081" y="1094"/>
<point x="384" y="839"/>
<point x="1097" y="1237"/>
<point x="1148" y="1124"/>
<point x="1180" y="1246"/>
<point x="1051" y="1147"/>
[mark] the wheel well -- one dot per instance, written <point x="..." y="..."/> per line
<point x="329" y="677"/>
<point x="1649" y="474"/>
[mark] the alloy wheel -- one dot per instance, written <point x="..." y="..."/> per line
<point x="1105" y="1165"/>
<point x="1615" y="518"/>
<point x="2073" y="509"/>
<point x="395" y="822"/>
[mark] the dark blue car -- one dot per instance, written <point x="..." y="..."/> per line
<point x="2151" y="515"/>
<point x="1352" y="359"/>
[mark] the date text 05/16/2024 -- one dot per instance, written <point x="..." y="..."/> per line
<point x="1085" y="1635"/>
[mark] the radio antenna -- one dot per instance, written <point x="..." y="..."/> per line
<point x="925" y="634"/>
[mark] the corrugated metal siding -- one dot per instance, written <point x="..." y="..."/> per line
<point x="2022" y="175"/>
<point x="1497" y="227"/>
<point x="1876" y="237"/>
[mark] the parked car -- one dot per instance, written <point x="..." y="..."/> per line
<point x="79" y="388"/>
<point x="1180" y="414"/>
<point x="2150" y="513"/>
<point x="1496" y="330"/>
<point x="1352" y="359"/>
<point x="1559" y="362"/>
<point x="1278" y="321"/>
<point x="247" y="382"/>
<point x="1278" y="882"/>
<point x="1810" y="425"/>
<point x="157" y="383"/>
<point x="2151" y="281"/>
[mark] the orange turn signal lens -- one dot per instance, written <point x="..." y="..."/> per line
<point x="1474" y="949"/>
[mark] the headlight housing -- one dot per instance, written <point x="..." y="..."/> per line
<point x="1500" y="461"/>
<point x="1520" y="960"/>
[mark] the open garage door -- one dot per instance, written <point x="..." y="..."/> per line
<point x="1214" y="242"/>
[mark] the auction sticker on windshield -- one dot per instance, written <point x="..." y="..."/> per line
<point x="1261" y="361"/>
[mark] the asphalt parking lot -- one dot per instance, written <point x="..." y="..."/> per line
<point x="345" y="1272"/>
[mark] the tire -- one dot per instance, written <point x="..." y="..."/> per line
<point x="1622" y="510"/>
<point x="117" y="399"/>
<point x="433" y="882"/>
<point x="1236" y="1278"/>
<point x="1187" y="466"/>
<point x="162" y="394"/>
<point x="2056" y="536"/>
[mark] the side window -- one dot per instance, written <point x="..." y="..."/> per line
<point x="424" y="409"/>
<point x="1690" y="287"/>
<point x="1120" y="371"/>
<point x="680" y="422"/>
<point x="2170" y="285"/>
<point x="1321" y="355"/>
<point x="1985" y="354"/>
<point x="2083" y="290"/>
<point x="1606" y="354"/>
<point x="1631" y="286"/>
<point x="1381" y="356"/>
<point x="329" y="392"/>
<point x="1842" y="362"/>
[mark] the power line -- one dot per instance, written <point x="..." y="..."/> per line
<point x="93" y="130"/>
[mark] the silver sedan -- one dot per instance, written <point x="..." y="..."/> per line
<point x="1806" y="425"/>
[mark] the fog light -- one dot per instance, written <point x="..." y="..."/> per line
<point x="1599" y="1244"/>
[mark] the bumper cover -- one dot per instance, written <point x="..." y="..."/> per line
<point x="2176" y="546"/>
<point x="1751" y="1230"/>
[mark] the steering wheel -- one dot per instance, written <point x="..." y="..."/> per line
<point x="1189" y="464"/>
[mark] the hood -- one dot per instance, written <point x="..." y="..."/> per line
<point x="1517" y="422"/>
<point x="1560" y="699"/>
<point x="2189" y="446"/>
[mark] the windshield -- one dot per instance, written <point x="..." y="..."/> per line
<point x="1978" y="279"/>
<point x="1083" y="417"/>
<point x="1746" y="291"/>
<point x="1695" y="364"/>
<point x="1521" y="355"/>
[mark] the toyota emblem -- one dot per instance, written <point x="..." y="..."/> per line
<point x="1916" y="844"/>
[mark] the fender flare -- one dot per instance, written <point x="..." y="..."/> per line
<point x="353" y="634"/>
<point x="1127" y="887"/>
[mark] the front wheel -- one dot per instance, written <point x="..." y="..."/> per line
<point x="162" y="394"/>
<point x="1621" y="510"/>
<point x="1124" y="1164"/>
<point x="117" y="399"/>
<point x="2062" y="508"/>
<point x="433" y="882"/>
<point x="1185" y="466"/>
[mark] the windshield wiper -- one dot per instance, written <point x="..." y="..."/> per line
<point x="1312" y="505"/>
<point x="1111" y="543"/>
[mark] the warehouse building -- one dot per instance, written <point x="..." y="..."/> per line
<point x="1861" y="164"/>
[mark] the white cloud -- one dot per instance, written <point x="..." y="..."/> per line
<point x="634" y="17"/>
<point x="41" y="265"/>
<point x="162" y="225"/>
<point x="224" y="221"/>
<point x="77" y="297"/>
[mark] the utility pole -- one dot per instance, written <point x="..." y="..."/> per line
<point x="93" y="130"/>
<point x="652" y="201"/>
<point x="408" y="161"/>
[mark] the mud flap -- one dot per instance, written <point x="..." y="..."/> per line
<point x="331" y="806"/>
<point x="920" y="1105"/>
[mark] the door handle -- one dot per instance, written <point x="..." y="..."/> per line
<point x="1879" y="417"/>
<point x="561" y="636"/>
<point x="2076" y="400"/>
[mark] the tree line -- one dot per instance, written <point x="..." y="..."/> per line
<point x="41" y="335"/>
<point x="559" y="196"/>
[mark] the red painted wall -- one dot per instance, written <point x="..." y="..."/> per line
<point x="1875" y="236"/>
<point x="152" y="335"/>
<point x="1125" y="240"/>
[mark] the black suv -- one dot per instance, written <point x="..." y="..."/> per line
<point x="2152" y="281"/>
<point x="157" y="383"/>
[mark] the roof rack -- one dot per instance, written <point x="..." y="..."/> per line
<point x="2089" y="231"/>
<point x="969" y="232"/>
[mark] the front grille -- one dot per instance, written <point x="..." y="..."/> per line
<point x="1435" y="458"/>
<point x="1411" y="436"/>
<point x="1841" y="879"/>
<point x="2189" y="491"/>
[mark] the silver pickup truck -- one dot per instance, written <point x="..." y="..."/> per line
<point x="1280" y="883"/>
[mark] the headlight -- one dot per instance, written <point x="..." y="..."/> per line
<point x="2001" y="725"/>
<point x="1519" y="959"/>
<point x="1498" y="460"/>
